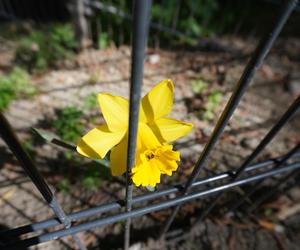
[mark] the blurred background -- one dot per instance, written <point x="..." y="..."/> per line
<point x="56" y="56"/>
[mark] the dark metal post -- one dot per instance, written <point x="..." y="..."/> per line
<point x="15" y="146"/>
<point x="254" y="63"/>
<point x="141" y="14"/>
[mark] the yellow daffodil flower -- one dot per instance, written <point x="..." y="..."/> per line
<point x="152" y="158"/>
<point x="153" y="124"/>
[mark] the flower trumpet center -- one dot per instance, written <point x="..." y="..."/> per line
<point x="149" y="154"/>
<point x="163" y="153"/>
<point x="153" y="163"/>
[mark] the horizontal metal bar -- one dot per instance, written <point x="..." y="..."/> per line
<point x="145" y="210"/>
<point x="138" y="199"/>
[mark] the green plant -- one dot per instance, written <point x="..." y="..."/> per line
<point x="104" y="40"/>
<point x="91" y="182"/>
<point x="193" y="18"/>
<point x="93" y="79"/>
<point x="199" y="86"/>
<point x="43" y="48"/>
<point x="268" y="212"/>
<point x="15" y="85"/>
<point x="213" y="101"/>
<point x="90" y="101"/>
<point x="68" y="155"/>
<point x="64" y="185"/>
<point x="28" y="145"/>
<point x="7" y="94"/>
<point x="30" y="52"/>
<point x="68" y="124"/>
<point x="94" y="175"/>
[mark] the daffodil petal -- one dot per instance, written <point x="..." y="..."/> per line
<point x="158" y="102"/>
<point x="172" y="155"/>
<point x="167" y="129"/>
<point x="115" y="110"/>
<point x="146" y="174"/>
<point x="166" y="159"/>
<point x="167" y="166"/>
<point x="146" y="138"/>
<point x="118" y="158"/>
<point x="97" y="142"/>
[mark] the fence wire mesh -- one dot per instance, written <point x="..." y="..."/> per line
<point x="134" y="206"/>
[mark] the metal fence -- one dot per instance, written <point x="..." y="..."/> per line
<point x="194" y="188"/>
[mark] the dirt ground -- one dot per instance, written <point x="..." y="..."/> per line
<point x="274" y="87"/>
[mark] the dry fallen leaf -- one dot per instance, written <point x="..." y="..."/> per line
<point x="6" y="195"/>
<point x="271" y="226"/>
<point x="288" y="211"/>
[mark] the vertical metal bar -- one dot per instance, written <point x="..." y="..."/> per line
<point x="279" y="163"/>
<point x="254" y="63"/>
<point x="141" y="12"/>
<point x="264" y="142"/>
<point x="15" y="146"/>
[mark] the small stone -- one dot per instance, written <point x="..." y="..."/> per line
<point x="249" y="143"/>
<point x="136" y="246"/>
<point x="295" y="87"/>
<point x="154" y="59"/>
<point x="191" y="151"/>
<point x="207" y="131"/>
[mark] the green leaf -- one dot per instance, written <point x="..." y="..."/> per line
<point x="91" y="182"/>
<point x="103" y="162"/>
<point x="53" y="138"/>
<point x="44" y="134"/>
